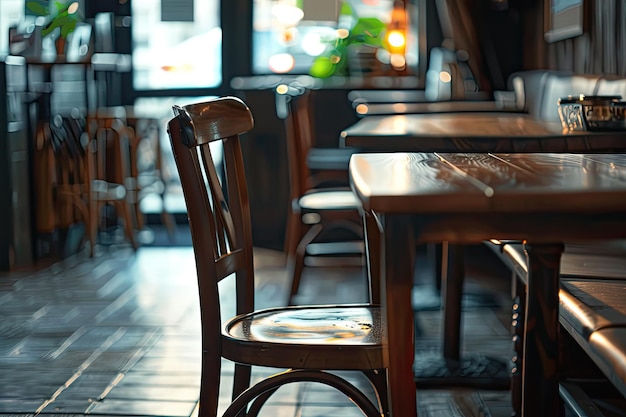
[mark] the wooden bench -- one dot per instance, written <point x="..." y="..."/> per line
<point x="592" y="307"/>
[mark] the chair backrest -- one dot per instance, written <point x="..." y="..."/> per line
<point x="70" y="170"/>
<point x="538" y="91"/>
<point x="560" y="85"/>
<point x="611" y="85"/>
<point x="293" y="106"/>
<point x="110" y="141"/>
<point x="104" y="28"/>
<point x="219" y="218"/>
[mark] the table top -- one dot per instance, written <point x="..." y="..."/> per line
<point x="541" y="198"/>
<point x="373" y="109"/>
<point x="474" y="132"/>
<point x="546" y="186"/>
<point x="99" y="61"/>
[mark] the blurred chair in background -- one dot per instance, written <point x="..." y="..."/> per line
<point x="320" y="201"/>
<point x="109" y="173"/>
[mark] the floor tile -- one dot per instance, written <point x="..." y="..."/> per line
<point x="119" y="335"/>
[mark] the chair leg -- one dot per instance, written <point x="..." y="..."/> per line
<point x="168" y="221"/>
<point x="294" y="230"/>
<point x="296" y="263"/>
<point x="378" y="379"/>
<point x="372" y="243"/>
<point x="93" y="224"/>
<point x="124" y="209"/>
<point x="136" y="209"/>
<point x="241" y="381"/>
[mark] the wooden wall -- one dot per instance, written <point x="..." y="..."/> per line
<point x="508" y="36"/>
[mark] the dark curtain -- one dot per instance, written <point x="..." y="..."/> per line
<point x="602" y="47"/>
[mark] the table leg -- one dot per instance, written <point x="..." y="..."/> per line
<point x="452" y="286"/>
<point x="398" y="252"/>
<point x="540" y="385"/>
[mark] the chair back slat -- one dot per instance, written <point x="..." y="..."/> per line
<point x="223" y="226"/>
<point x="229" y="263"/>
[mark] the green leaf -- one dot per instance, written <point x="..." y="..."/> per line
<point x="50" y="28"/>
<point x="368" y="31"/>
<point x="62" y="6"/>
<point x="346" y="9"/>
<point x="369" y="25"/>
<point x="37" y="8"/>
<point x="322" y="67"/>
<point x="68" y="28"/>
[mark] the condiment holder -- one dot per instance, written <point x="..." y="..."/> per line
<point x="592" y="112"/>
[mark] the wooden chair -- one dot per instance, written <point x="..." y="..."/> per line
<point x="317" y="205"/>
<point x="72" y="203"/>
<point x="144" y="175"/>
<point x="108" y="172"/>
<point x="146" y="165"/>
<point x="308" y="341"/>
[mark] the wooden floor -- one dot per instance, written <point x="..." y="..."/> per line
<point x="118" y="335"/>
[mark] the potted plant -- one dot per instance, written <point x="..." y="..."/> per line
<point x="61" y="15"/>
<point x="365" y="33"/>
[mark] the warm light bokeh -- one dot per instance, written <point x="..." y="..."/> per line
<point x="396" y="39"/>
<point x="281" y="63"/>
<point x="73" y="8"/>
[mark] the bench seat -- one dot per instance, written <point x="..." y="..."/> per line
<point x="607" y="348"/>
<point x="588" y="305"/>
<point x="592" y="300"/>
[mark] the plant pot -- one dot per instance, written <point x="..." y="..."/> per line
<point x="60" y="46"/>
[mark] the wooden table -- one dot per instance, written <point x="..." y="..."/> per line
<point x="474" y="132"/>
<point x="478" y="131"/>
<point x="544" y="199"/>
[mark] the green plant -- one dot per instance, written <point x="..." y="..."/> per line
<point x="367" y="31"/>
<point x="63" y="15"/>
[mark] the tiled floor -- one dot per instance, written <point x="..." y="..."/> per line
<point x="118" y="335"/>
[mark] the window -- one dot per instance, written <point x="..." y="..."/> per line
<point x="11" y="14"/>
<point x="288" y="35"/>
<point x="177" y="44"/>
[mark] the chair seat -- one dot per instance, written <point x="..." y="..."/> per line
<point x="329" y="200"/>
<point x="336" y="159"/>
<point x="336" y="337"/>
